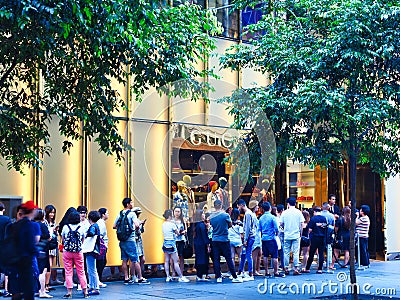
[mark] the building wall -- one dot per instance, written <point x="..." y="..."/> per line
<point x="87" y="177"/>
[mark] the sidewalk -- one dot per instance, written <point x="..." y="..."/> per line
<point x="381" y="279"/>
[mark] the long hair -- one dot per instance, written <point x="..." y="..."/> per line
<point x="346" y="217"/>
<point x="181" y="215"/>
<point x="64" y="220"/>
<point x="306" y="216"/>
<point x="48" y="209"/>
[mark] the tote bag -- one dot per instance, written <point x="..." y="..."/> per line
<point x="89" y="244"/>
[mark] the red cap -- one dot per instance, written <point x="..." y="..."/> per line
<point x="29" y="205"/>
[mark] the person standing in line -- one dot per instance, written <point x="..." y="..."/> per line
<point x="333" y="208"/>
<point x="170" y="231"/>
<point x="101" y="261"/>
<point x="27" y="234"/>
<point x="362" y="227"/>
<point x="330" y="232"/>
<point x="4" y="222"/>
<point x="50" y="221"/>
<point x="93" y="231"/>
<point x="250" y="229"/>
<point x="305" y="239"/>
<point x="43" y="257"/>
<point x="317" y="229"/>
<point x="342" y="227"/>
<point x="292" y="221"/>
<point x="180" y="238"/>
<point x="72" y="236"/>
<point x="279" y="210"/>
<point x="139" y="240"/>
<point x="256" y="252"/>
<point x="268" y="227"/>
<point x="128" y="247"/>
<point x="235" y="235"/>
<point x="220" y="222"/>
<point x="201" y="245"/>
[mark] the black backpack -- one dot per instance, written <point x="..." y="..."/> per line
<point x="124" y="228"/>
<point x="73" y="240"/>
<point x="9" y="251"/>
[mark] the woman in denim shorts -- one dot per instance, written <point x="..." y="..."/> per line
<point x="170" y="231"/>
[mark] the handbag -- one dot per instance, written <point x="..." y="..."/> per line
<point x="187" y="251"/>
<point x="168" y="249"/>
<point x="305" y="241"/>
<point x="53" y="243"/>
<point x="278" y="242"/>
<point x="102" y="248"/>
<point x="89" y="244"/>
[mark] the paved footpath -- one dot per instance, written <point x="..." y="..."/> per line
<point x="381" y="279"/>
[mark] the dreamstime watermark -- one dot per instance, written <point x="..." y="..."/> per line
<point x="163" y="134"/>
<point x="341" y="286"/>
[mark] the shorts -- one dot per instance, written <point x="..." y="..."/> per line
<point x="128" y="251"/>
<point x="169" y="244"/>
<point x="270" y="248"/>
<point x="180" y="245"/>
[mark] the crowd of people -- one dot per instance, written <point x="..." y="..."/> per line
<point x="245" y="233"/>
<point x="259" y="230"/>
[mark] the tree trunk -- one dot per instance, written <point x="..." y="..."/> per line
<point x="352" y="179"/>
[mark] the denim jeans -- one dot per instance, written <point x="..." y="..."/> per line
<point x="364" y="254"/>
<point x="92" y="272"/>
<point x="247" y="255"/>
<point x="294" y="247"/>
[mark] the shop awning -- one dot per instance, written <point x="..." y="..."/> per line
<point x="181" y="143"/>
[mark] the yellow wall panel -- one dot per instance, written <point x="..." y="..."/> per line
<point x="61" y="178"/>
<point x="107" y="186"/>
<point x="150" y="184"/>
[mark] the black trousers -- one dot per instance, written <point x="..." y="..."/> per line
<point x="218" y="249"/>
<point x="100" y="265"/>
<point x="364" y="254"/>
<point x="317" y="242"/>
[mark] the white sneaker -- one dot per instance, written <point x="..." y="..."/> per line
<point x="183" y="279"/>
<point x="135" y="279"/>
<point x="102" y="285"/>
<point x="45" y="295"/>
<point x="168" y="279"/>
<point x="248" y="278"/>
<point x="79" y="288"/>
<point x="237" y="280"/>
<point x="226" y="275"/>
<point x="245" y="275"/>
<point x="219" y="280"/>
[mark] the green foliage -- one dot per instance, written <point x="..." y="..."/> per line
<point x="75" y="48"/>
<point x="335" y="73"/>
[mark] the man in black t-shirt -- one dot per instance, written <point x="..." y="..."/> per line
<point x="317" y="228"/>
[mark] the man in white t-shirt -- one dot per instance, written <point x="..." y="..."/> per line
<point x="292" y="222"/>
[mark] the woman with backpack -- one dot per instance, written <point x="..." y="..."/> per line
<point x="72" y="237"/>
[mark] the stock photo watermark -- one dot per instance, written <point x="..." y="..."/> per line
<point x="334" y="287"/>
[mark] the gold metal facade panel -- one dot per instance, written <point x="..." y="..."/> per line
<point x="13" y="183"/>
<point x="150" y="182"/>
<point x="107" y="186"/>
<point x="62" y="174"/>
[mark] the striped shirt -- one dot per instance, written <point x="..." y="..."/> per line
<point x="363" y="227"/>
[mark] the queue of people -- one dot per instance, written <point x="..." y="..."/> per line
<point x="244" y="233"/>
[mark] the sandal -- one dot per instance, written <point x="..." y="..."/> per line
<point x="67" y="296"/>
<point x="305" y="271"/>
<point x="319" y="272"/>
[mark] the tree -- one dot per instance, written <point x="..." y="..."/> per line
<point x="58" y="58"/>
<point x="335" y="91"/>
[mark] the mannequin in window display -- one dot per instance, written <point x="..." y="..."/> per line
<point x="211" y="197"/>
<point x="181" y="199"/>
<point x="223" y="194"/>
<point x="191" y="200"/>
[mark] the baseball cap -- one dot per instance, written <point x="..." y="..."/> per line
<point x="29" y="205"/>
<point x="137" y="209"/>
